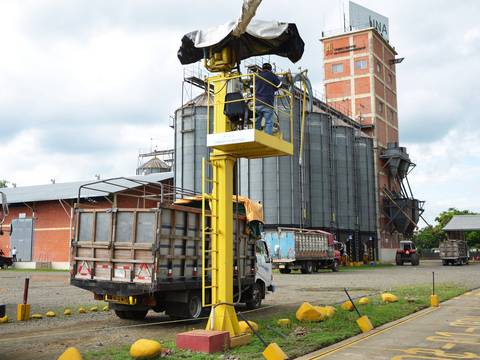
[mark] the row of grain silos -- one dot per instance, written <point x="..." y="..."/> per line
<point x="332" y="188"/>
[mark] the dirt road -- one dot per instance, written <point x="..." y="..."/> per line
<point x="45" y="339"/>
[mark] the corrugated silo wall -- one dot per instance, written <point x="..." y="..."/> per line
<point x="276" y="182"/>
<point x="319" y="130"/>
<point x="190" y="146"/>
<point x="338" y="176"/>
<point x="366" y="195"/>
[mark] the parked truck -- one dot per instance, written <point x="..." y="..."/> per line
<point x="304" y="250"/>
<point x="454" y="252"/>
<point x="141" y="259"/>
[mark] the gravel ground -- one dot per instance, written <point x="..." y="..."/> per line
<point x="46" y="338"/>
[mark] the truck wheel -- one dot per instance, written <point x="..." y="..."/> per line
<point x="285" y="271"/>
<point x="335" y="266"/>
<point x="194" y="306"/>
<point x="415" y="260"/>
<point x="444" y="262"/>
<point x="307" y="268"/>
<point x="398" y="261"/>
<point x="254" y="297"/>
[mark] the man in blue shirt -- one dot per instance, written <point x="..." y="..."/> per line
<point x="265" y="96"/>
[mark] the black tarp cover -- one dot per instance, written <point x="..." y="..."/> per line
<point x="260" y="38"/>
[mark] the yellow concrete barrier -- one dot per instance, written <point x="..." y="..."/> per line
<point x="67" y="312"/>
<point x="307" y="312"/>
<point x="434" y="300"/>
<point x="347" y="305"/>
<point x="82" y="310"/>
<point x="145" y="348"/>
<point x="330" y="311"/>
<point x="105" y="308"/>
<point x="50" y="314"/>
<point x="71" y="354"/>
<point x="389" y="298"/>
<point x="284" y="322"/>
<point x="23" y="312"/>
<point x="4" y="320"/>
<point x="37" y="316"/>
<point x="94" y="309"/>
<point x="273" y="352"/>
<point x="363" y="301"/>
<point x="364" y="324"/>
<point x="244" y="328"/>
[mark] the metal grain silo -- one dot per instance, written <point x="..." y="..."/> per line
<point x="280" y="183"/>
<point x="319" y="129"/>
<point x="343" y="146"/>
<point x="365" y="183"/>
<point x="190" y="143"/>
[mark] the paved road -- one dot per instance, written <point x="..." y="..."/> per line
<point x="45" y="339"/>
<point x="451" y="331"/>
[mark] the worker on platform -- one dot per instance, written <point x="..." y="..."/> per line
<point x="266" y="84"/>
<point x="14" y="254"/>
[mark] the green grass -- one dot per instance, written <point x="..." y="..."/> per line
<point x="317" y="334"/>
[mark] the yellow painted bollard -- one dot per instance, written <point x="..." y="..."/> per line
<point x="433" y="298"/>
<point x="23" y="310"/>
<point x="284" y="322"/>
<point x="274" y="352"/>
<point x="4" y="320"/>
<point x="364" y="323"/>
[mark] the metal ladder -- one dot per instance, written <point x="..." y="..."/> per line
<point x="209" y="232"/>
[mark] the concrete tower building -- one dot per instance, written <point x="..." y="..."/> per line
<point x="360" y="81"/>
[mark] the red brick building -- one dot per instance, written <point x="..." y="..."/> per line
<point x="360" y="81"/>
<point x="40" y="219"/>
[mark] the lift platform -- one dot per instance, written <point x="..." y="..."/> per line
<point x="235" y="101"/>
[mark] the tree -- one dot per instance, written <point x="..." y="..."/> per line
<point x="3" y="183"/>
<point x="426" y="238"/>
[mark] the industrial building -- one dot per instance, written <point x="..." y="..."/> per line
<point x="40" y="221"/>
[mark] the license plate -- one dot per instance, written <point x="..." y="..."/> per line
<point x="118" y="299"/>
<point x="281" y="266"/>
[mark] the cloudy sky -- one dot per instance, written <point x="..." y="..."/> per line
<point x="84" y="85"/>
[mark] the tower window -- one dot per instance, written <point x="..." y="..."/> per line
<point x="337" y="68"/>
<point x="361" y="64"/>
<point x="378" y="67"/>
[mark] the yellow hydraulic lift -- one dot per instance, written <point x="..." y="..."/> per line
<point x="227" y="146"/>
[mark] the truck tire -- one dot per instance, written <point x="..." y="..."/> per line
<point x="444" y="262"/>
<point x="398" y="260"/>
<point x="307" y="268"/>
<point x="131" y="314"/>
<point x="285" y="271"/>
<point x="254" y="297"/>
<point x="192" y="309"/>
<point x="415" y="260"/>
<point x="335" y="266"/>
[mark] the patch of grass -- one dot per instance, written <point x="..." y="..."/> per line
<point x="316" y="334"/>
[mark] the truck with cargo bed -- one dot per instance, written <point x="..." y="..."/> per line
<point x="302" y="249"/>
<point x="141" y="259"/>
<point x="454" y="252"/>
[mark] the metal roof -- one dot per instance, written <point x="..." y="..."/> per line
<point x="463" y="223"/>
<point x="69" y="190"/>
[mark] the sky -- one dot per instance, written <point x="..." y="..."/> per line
<point x="86" y="85"/>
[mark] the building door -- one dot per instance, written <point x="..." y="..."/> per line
<point x="21" y="238"/>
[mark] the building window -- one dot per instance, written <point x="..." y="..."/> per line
<point x="391" y="115"/>
<point x="361" y="64"/>
<point x="380" y="107"/>
<point x="390" y="78"/>
<point x="379" y="68"/>
<point x="337" y="68"/>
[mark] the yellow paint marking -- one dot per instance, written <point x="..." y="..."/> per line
<point x="448" y="346"/>
<point x="470" y="330"/>
<point x="426" y="353"/>
<point x="353" y="342"/>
